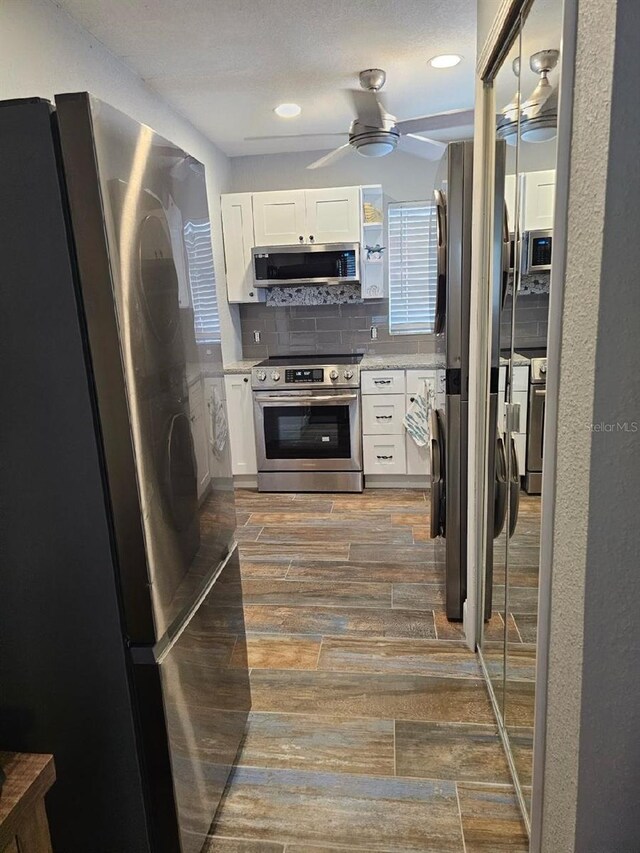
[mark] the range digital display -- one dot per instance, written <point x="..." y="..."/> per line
<point x="315" y="374"/>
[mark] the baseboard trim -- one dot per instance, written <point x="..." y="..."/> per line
<point x="245" y="481"/>
<point x="391" y="481"/>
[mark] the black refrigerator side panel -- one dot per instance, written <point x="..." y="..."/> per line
<point x="63" y="674"/>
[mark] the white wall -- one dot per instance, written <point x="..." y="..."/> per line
<point x="404" y="177"/>
<point x="44" y="52"/>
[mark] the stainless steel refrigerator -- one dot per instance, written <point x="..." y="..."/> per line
<point x="449" y="428"/>
<point x="121" y="621"/>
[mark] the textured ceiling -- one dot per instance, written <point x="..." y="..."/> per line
<point x="225" y="64"/>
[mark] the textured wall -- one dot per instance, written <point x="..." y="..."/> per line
<point x="575" y="481"/>
<point x="609" y="775"/>
<point x="45" y="52"/>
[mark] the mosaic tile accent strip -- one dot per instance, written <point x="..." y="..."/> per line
<point x="334" y="294"/>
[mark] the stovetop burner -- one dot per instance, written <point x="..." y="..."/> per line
<point x="284" y="360"/>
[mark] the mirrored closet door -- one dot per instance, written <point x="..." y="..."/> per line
<point x="525" y="86"/>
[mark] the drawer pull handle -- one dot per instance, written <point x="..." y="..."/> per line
<point x="383" y="417"/>
<point x="382" y="382"/>
<point x="385" y="457"/>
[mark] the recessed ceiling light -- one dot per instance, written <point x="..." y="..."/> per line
<point x="288" y="110"/>
<point x="445" y="60"/>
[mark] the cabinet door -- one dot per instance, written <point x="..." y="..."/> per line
<point x="418" y="458"/>
<point x="199" y="434"/>
<point x="279" y="218"/>
<point x="241" y="430"/>
<point x="237" y="231"/>
<point x="539" y="197"/>
<point x="333" y="215"/>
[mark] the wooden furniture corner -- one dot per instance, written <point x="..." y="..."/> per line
<point x="23" y="820"/>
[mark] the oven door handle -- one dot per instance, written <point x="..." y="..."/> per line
<point x="333" y="398"/>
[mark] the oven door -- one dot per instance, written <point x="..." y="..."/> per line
<point x="308" y="430"/>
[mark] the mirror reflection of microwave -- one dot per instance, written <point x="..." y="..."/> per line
<point x="538" y="246"/>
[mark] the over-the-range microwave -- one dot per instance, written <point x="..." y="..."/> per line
<point x="316" y="263"/>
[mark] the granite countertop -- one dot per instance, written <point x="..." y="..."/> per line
<point x="427" y="360"/>
<point x="243" y="366"/>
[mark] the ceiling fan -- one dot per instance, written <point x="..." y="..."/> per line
<point x="539" y="113"/>
<point x="375" y="132"/>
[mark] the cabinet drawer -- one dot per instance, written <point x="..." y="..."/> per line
<point x="521" y="377"/>
<point x="382" y="382"/>
<point x="382" y="414"/>
<point x="418" y="458"/>
<point x="384" y="454"/>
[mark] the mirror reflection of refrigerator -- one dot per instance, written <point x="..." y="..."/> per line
<point x="120" y="592"/>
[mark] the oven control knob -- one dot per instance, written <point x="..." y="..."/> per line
<point x="543" y="369"/>
<point x="261" y="375"/>
<point x="348" y="374"/>
<point x="275" y="376"/>
<point x="333" y="374"/>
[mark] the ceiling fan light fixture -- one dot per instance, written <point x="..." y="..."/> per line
<point x="539" y="133"/>
<point x="375" y="149"/>
<point x="445" y="60"/>
<point x="288" y="110"/>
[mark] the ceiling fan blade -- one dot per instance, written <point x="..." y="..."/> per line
<point x="440" y="121"/>
<point x="368" y="107"/>
<point x="292" y="136"/>
<point x="540" y="99"/>
<point x="337" y="154"/>
<point x="430" y="149"/>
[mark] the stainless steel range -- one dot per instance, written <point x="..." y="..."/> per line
<point x="307" y="419"/>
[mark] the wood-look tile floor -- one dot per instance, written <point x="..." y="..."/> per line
<point x="371" y="726"/>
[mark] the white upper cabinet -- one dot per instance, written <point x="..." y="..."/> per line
<point x="279" y="218"/>
<point x="294" y="218"/>
<point x="291" y="217"/>
<point x="333" y="215"/>
<point x="539" y="197"/>
<point x="237" y="230"/>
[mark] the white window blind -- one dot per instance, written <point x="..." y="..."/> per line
<point x="413" y="271"/>
<point x="202" y="281"/>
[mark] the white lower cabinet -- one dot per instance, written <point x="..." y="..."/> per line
<point x="418" y="459"/>
<point x="241" y="429"/>
<point x="388" y="447"/>
<point x="384" y="454"/>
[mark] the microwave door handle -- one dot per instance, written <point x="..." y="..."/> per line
<point x="292" y="401"/>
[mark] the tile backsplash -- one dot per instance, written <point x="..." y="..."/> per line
<point x="330" y="329"/>
<point x="532" y="319"/>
